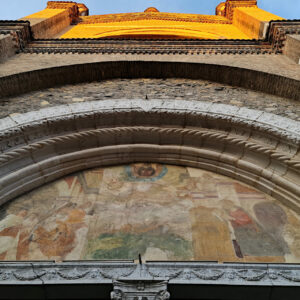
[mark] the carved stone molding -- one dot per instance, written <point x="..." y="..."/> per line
<point x="140" y="289"/>
<point x="255" y="147"/>
<point x="19" y="31"/>
<point x="189" y="133"/>
<point x="152" y="280"/>
<point x="188" y="113"/>
<point x="278" y="32"/>
<point x="146" y="47"/>
<point x="157" y="274"/>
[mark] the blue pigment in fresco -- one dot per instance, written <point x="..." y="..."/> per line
<point x="145" y="172"/>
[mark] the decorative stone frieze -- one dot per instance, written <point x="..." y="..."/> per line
<point x="140" y="288"/>
<point x="275" y="42"/>
<point x="278" y="32"/>
<point x="151" y="281"/>
<point x="157" y="273"/>
<point x="19" y="31"/>
<point x="131" y="46"/>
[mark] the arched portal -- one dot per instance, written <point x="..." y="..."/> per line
<point x="35" y="77"/>
<point x="257" y="148"/>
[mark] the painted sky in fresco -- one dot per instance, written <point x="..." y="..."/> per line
<point x="15" y="9"/>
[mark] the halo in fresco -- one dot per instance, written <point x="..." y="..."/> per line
<point x="159" y="211"/>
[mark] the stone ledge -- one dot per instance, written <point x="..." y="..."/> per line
<point x="45" y="272"/>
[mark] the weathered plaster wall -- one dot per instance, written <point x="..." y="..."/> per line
<point x="162" y="212"/>
<point x="175" y="89"/>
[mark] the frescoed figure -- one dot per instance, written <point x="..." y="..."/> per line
<point x="211" y="236"/>
<point x="59" y="241"/>
<point x="10" y="231"/>
<point x="161" y="212"/>
<point x="273" y="219"/>
<point x="145" y="172"/>
<point x="253" y="239"/>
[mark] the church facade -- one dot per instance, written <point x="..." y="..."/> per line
<point x="150" y="155"/>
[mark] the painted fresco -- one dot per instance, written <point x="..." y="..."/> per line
<point x="159" y="211"/>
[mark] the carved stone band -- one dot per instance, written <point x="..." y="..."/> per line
<point x="175" y="273"/>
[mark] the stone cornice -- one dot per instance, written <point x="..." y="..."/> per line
<point x="20" y="32"/>
<point x="176" y="273"/>
<point x="152" y="280"/>
<point x="274" y="43"/>
<point x="278" y="32"/>
<point x="131" y="46"/>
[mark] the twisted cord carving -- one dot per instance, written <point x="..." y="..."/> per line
<point x="5" y="134"/>
<point x="182" y="131"/>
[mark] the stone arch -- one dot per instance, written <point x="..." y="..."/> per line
<point x="255" y="147"/>
<point x="39" y="77"/>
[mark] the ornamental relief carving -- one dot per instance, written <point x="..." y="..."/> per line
<point x="200" y="128"/>
<point x="234" y="273"/>
<point x="199" y="134"/>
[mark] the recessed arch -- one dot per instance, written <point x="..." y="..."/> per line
<point x="39" y="78"/>
<point x="172" y="212"/>
<point x="42" y="146"/>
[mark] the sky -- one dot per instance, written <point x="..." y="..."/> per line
<point x="14" y="9"/>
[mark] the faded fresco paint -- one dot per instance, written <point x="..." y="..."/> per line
<point x="162" y="212"/>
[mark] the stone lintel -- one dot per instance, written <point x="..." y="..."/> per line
<point x="101" y="280"/>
